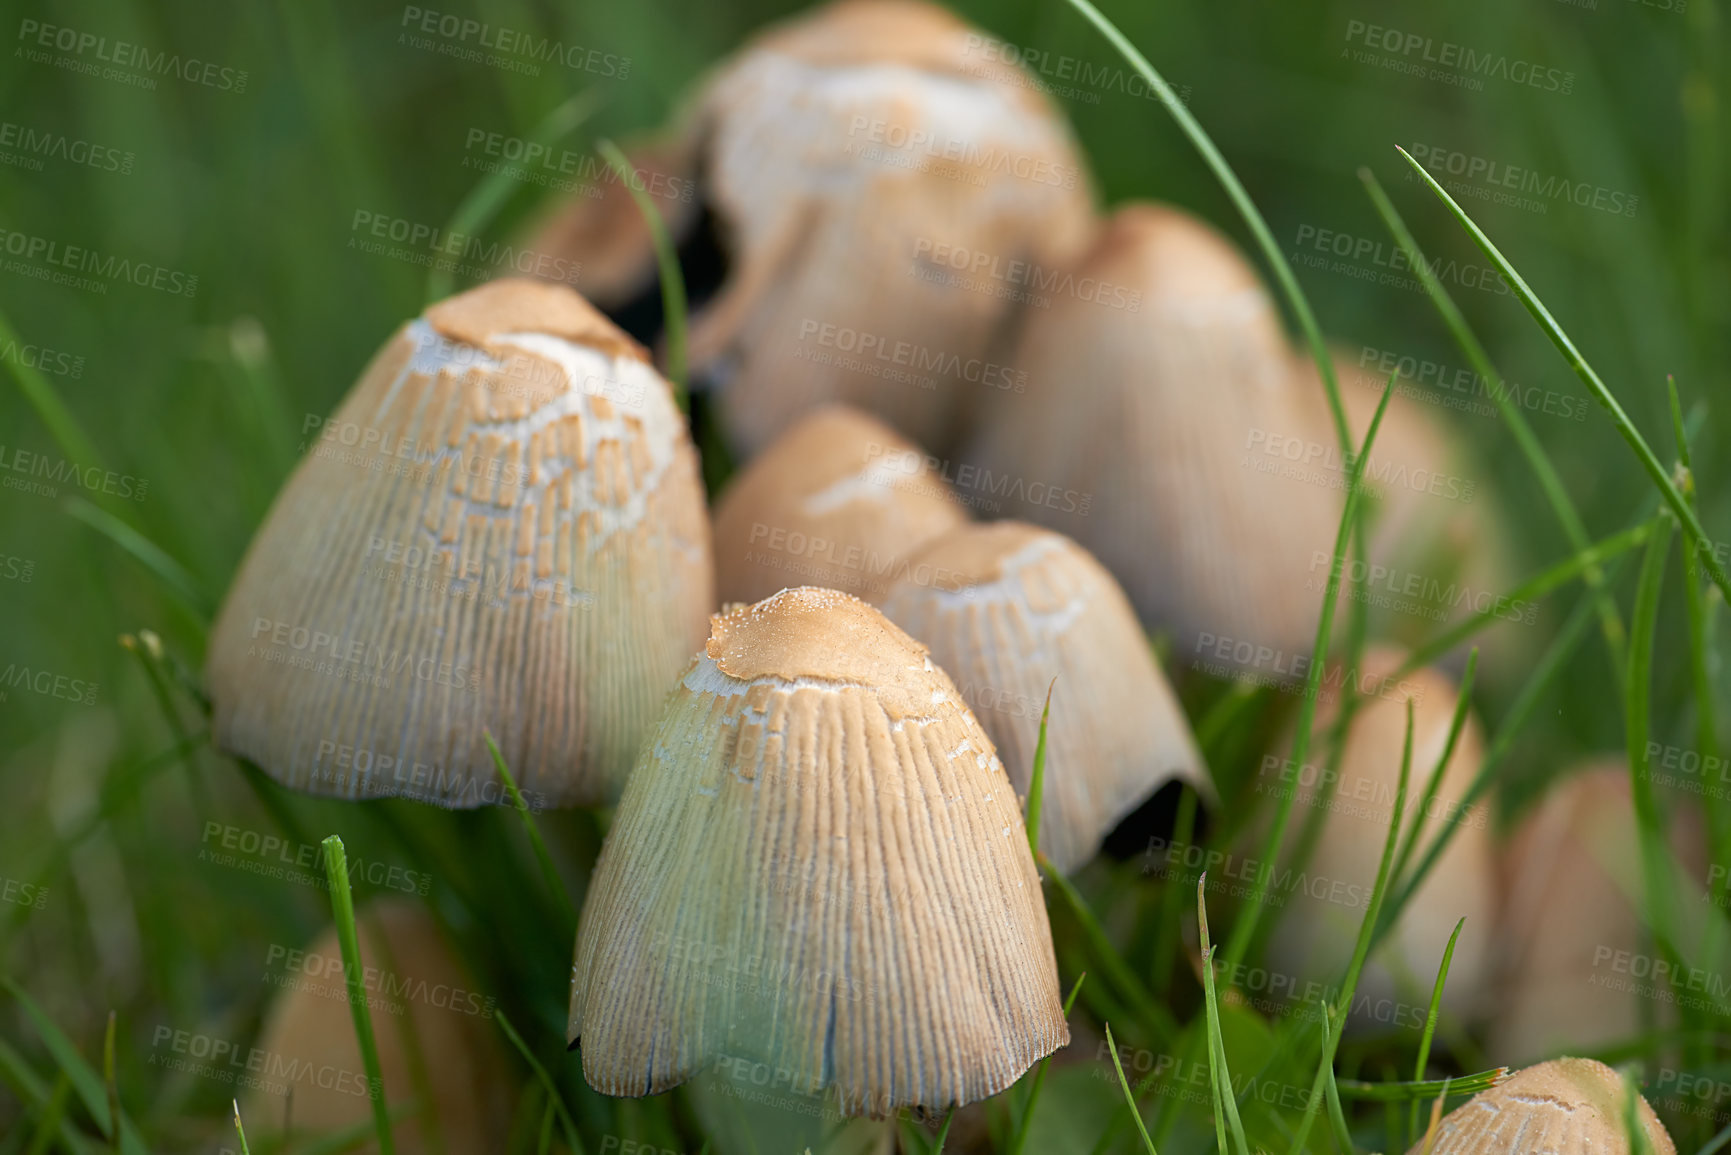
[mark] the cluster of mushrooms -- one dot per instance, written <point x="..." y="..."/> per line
<point x="833" y="683"/>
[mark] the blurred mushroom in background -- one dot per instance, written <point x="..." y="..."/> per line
<point x="501" y="528"/>
<point x="889" y="194"/>
<point x="1571" y="935"/>
<point x="839" y="500"/>
<point x="437" y="1042"/>
<point x="1006" y="608"/>
<point x="819" y="866"/>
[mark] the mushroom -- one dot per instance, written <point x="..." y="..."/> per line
<point x="436" y="1040"/>
<point x="889" y="191"/>
<point x="818" y="865"/>
<point x="1007" y="608"/>
<point x="1160" y="415"/>
<point x="1571" y="919"/>
<point x="1323" y="906"/>
<point x="1564" y="1107"/>
<point x="502" y="528"/>
<point x="840" y="500"/>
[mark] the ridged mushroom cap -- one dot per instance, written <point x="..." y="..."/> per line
<point x="1007" y="607"/>
<point x="839" y="500"/>
<point x="1563" y="1107"/>
<point x="502" y="528"/>
<point x="425" y="1011"/>
<point x="1319" y="921"/>
<point x="1570" y="921"/>
<point x="1161" y="415"/>
<point x="820" y="865"/>
<point x="887" y="192"/>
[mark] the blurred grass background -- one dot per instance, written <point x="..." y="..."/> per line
<point x="255" y="193"/>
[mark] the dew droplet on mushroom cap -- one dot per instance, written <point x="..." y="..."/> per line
<point x="1320" y="909"/>
<point x="889" y="191"/>
<point x="425" y="1011"/>
<point x="502" y="528"/>
<point x="1571" y="881"/>
<point x="819" y="865"/>
<point x="1563" y="1107"/>
<point x="1154" y="423"/>
<point x="840" y="500"/>
<point x="1007" y="607"/>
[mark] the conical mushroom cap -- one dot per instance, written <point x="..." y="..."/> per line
<point x="1006" y="608"/>
<point x="819" y="864"/>
<point x="1570" y="929"/>
<point x="1160" y="417"/>
<point x="839" y="500"/>
<point x="425" y="1012"/>
<point x="889" y="197"/>
<point x="1564" y="1107"/>
<point x="501" y="529"/>
<point x="1320" y="917"/>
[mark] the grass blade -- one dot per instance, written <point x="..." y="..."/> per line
<point x="1637" y="724"/>
<point x="1436" y="993"/>
<point x="1463" y="700"/>
<point x="666" y="260"/>
<point x="1226" y="1095"/>
<point x="484" y="200"/>
<point x="1242" y="932"/>
<point x="1157" y="1018"/>
<point x="1336" y="1116"/>
<point x="1021" y="1136"/>
<point x="240" y="1131"/>
<point x="50" y="410"/>
<point x="1129" y="1099"/>
<point x="1420" y="1091"/>
<point x="109" y="1084"/>
<point x="565" y="1122"/>
<point x="1037" y="783"/>
<point x="1611" y="624"/>
<point x="343" y="908"/>
<point x="1360" y="950"/>
<point x="1698" y="540"/>
<point x="86" y="1082"/>
<point x="177" y="582"/>
<point x="50" y="1124"/>
<point x="554" y="882"/>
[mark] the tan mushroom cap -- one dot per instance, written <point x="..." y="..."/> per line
<point x="1571" y="921"/>
<point x="1563" y="1107"/>
<point x="818" y="865"/>
<point x="1007" y="607"/>
<point x="502" y="528"/>
<point x="1160" y="418"/>
<point x="425" y="1011"/>
<point x="839" y="500"/>
<point x="889" y="192"/>
<point x="1320" y="917"/>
